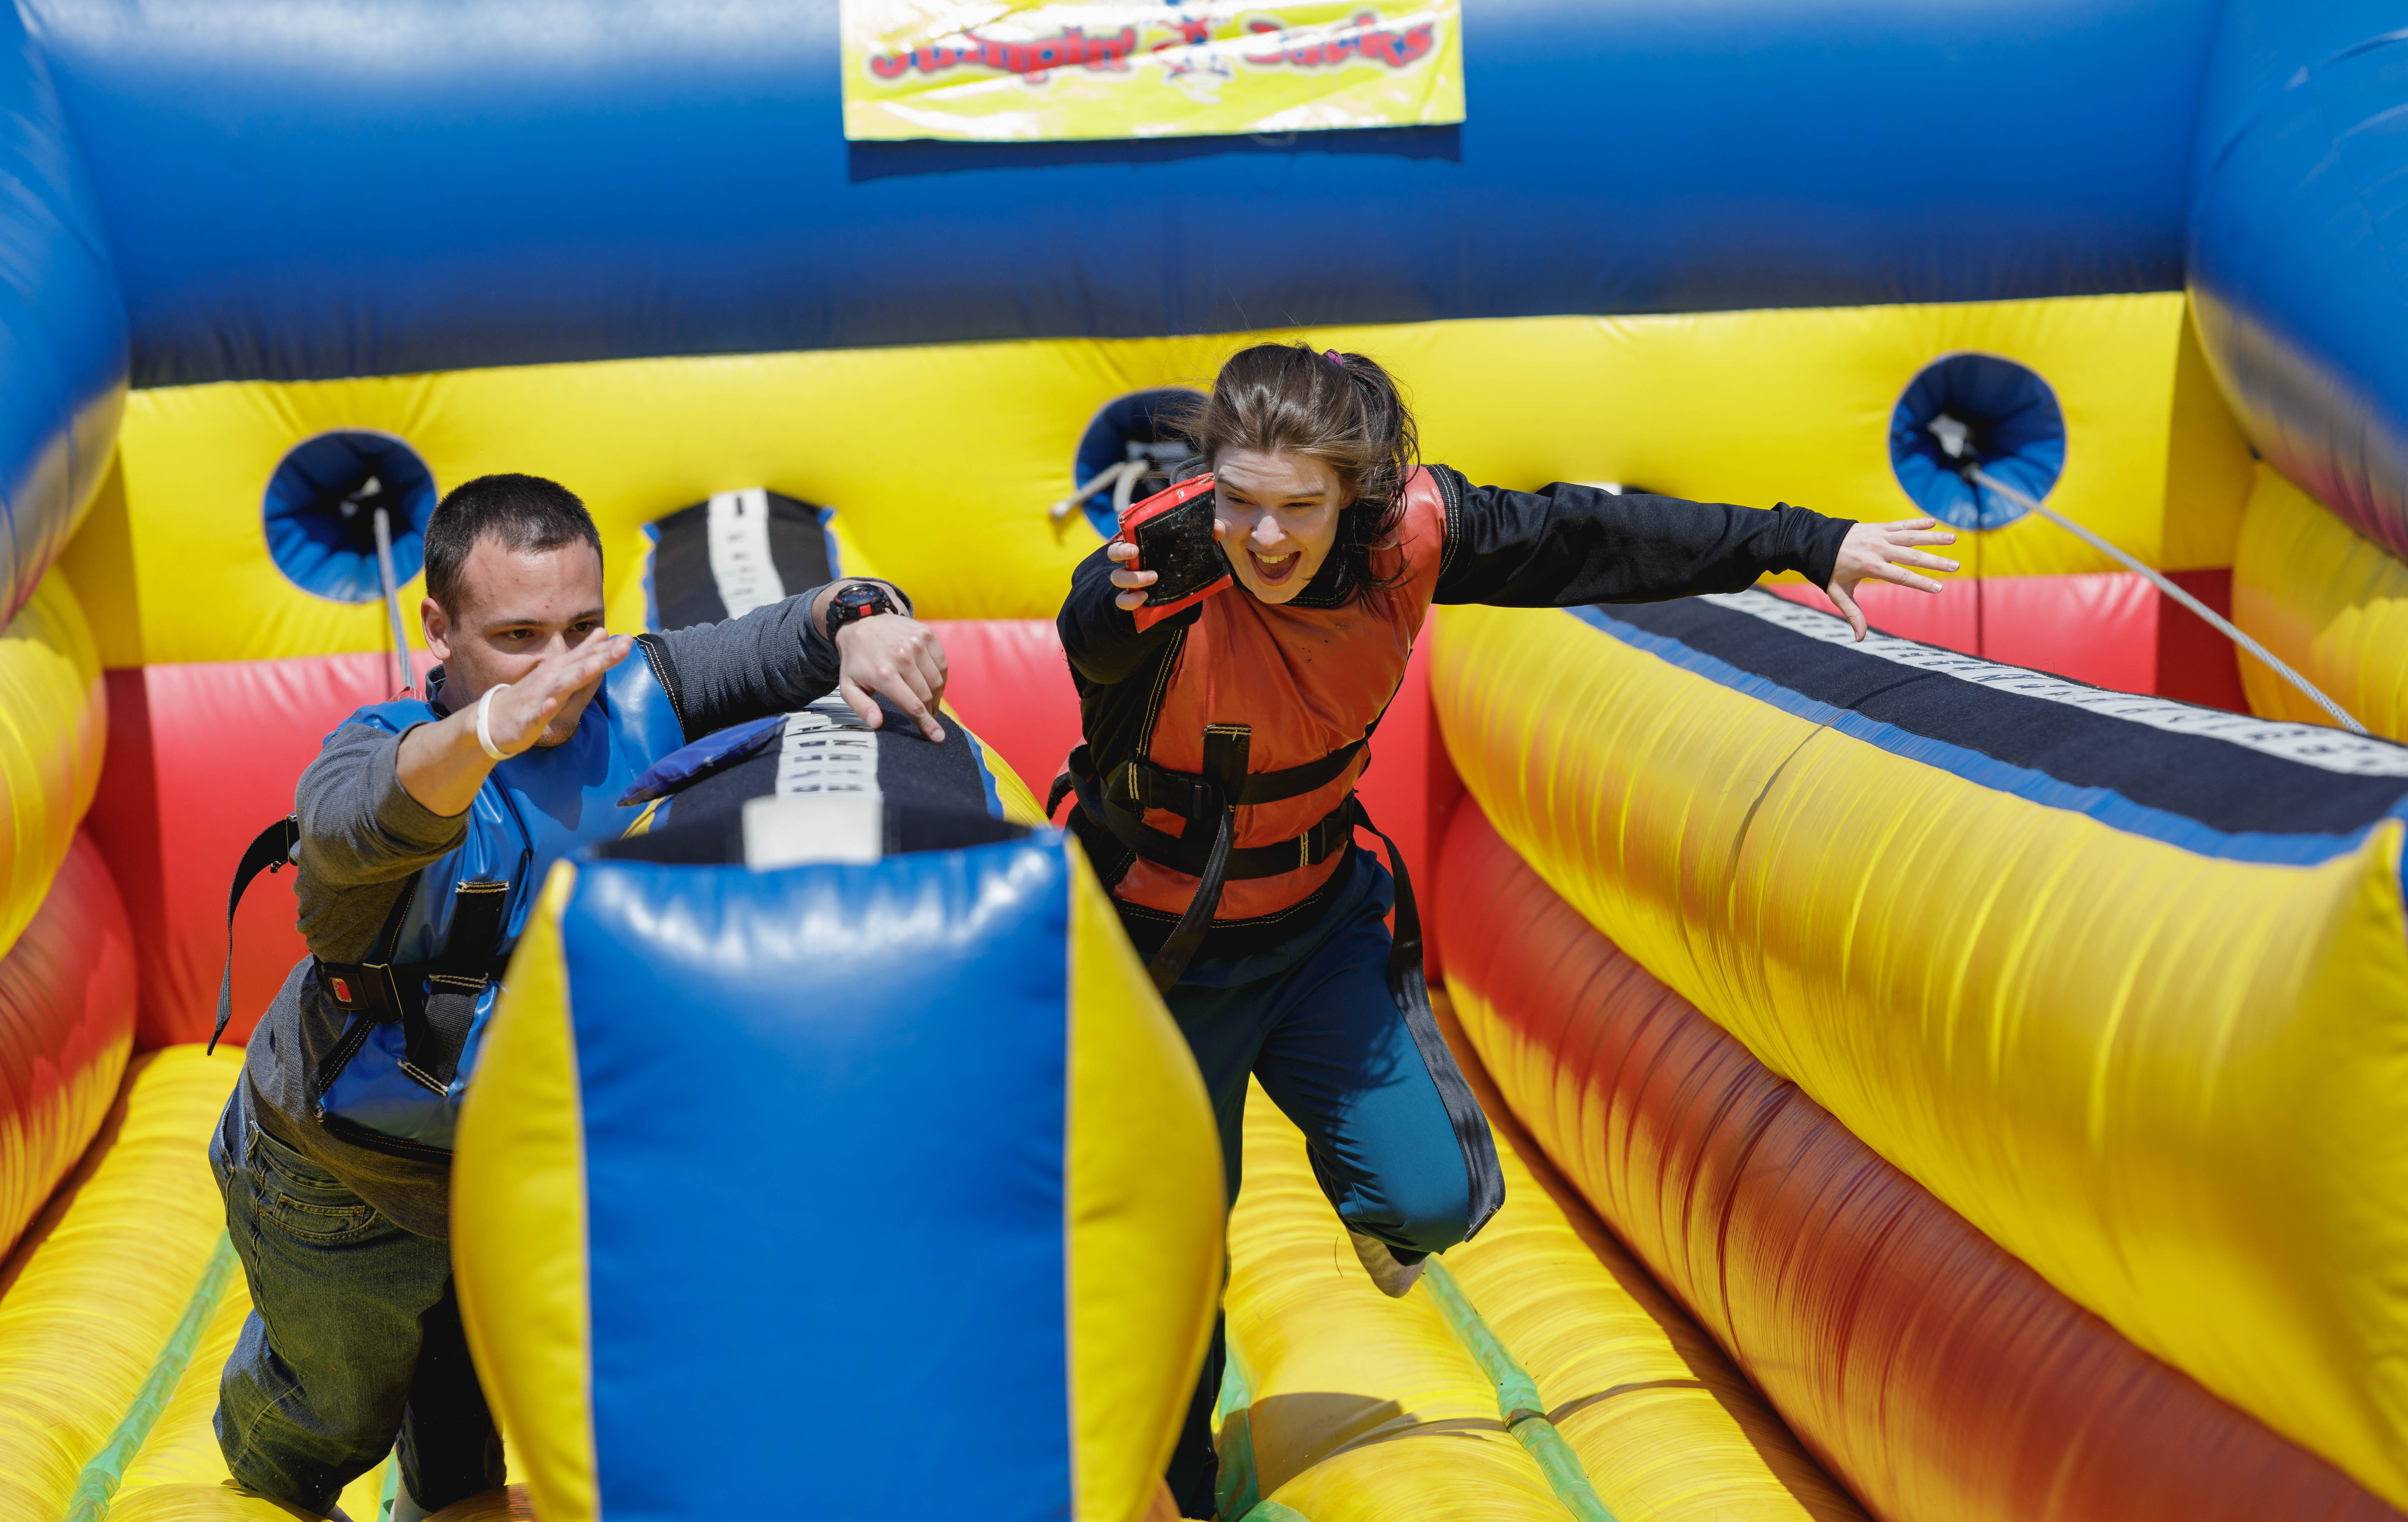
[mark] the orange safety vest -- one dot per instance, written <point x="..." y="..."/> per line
<point x="1274" y="703"/>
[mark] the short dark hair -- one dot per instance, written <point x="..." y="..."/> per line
<point x="524" y="512"/>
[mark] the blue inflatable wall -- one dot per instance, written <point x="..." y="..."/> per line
<point x="376" y="188"/>
<point x="2298" y="255"/>
<point x="62" y="353"/>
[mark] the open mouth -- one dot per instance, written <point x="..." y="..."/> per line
<point x="1271" y="571"/>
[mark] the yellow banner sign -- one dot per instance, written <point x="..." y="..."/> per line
<point x="1014" y="71"/>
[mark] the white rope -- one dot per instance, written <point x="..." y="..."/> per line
<point x="1127" y="489"/>
<point x="2216" y="620"/>
<point x="391" y="599"/>
<point x="1109" y="479"/>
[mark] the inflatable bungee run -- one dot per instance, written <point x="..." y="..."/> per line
<point x="1957" y="1077"/>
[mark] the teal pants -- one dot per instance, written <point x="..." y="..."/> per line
<point x="1315" y="1020"/>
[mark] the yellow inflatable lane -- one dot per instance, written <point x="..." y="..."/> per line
<point x="54" y="723"/>
<point x="178" y="1473"/>
<point x="1344" y="1405"/>
<point x="2330" y="604"/>
<point x="2122" y="982"/>
<point x="1349" y="1405"/>
<point x="113" y="1290"/>
<point x="1663" y="1425"/>
<point x="2152" y="460"/>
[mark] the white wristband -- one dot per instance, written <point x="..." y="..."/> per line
<point x="484" y="723"/>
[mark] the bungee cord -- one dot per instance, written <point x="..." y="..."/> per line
<point x="2215" y="620"/>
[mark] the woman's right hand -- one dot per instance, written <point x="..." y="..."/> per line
<point x="1131" y="583"/>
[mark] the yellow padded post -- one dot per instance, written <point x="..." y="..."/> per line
<point x="518" y="1222"/>
<point x="1144" y="1206"/>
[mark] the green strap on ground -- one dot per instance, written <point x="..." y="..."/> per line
<point x="1517" y="1397"/>
<point x="97" y="1486"/>
<point x="1237" y="1494"/>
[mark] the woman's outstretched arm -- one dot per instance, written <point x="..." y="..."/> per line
<point x="1569" y="545"/>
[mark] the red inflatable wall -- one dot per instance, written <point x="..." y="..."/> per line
<point x="201" y="756"/>
<point x="66" y="1027"/>
<point x="1931" y="1370"/>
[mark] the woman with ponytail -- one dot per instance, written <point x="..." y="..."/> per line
<point x="1224" y="732"/>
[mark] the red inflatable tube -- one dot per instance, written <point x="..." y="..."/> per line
<point x="1935" y="1375"/>
<point x="66" y="1027"/>
<point x="1010" y="683"/>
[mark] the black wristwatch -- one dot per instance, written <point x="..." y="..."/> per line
<point x="856" y="602"/>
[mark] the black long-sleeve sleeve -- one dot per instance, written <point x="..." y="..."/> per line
<point x="1560" y="547"/>
<point x="1100" y="639"/>
<point x="1571" y="545"/>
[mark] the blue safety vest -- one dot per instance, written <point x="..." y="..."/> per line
<point x="443" y="946"/>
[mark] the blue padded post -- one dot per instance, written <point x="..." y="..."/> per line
<point x="823" y="1136"/>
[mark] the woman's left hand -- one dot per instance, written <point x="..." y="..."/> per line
<point x="1882" y="551"/>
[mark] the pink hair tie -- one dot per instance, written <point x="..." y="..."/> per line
<point x="1332" y="355"/>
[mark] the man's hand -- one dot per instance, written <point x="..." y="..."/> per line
<point x="895" y="657"/>
<point x="443" y="765"/>
<point x="523" y="711"/>
<point x="1881" y="551"/>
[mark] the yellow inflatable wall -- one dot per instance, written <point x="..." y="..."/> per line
<point x="53" y="726"/>
<point x="2330" y="604"/>
<point x="2170" y="1080"/>
<point x="1749" y="406"/>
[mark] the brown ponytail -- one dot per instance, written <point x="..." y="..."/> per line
<point x="1343" y="409"/>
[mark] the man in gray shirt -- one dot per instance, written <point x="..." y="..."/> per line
<point x="422" y="832"/>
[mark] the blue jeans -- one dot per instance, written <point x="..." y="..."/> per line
<point x="1315" y="1020"/>
<point x="353" y="1341"/>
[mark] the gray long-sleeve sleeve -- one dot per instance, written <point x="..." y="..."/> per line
<point x="772" y="660"/>
<point x="360" y="830"/>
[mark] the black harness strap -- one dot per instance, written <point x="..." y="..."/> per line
<point x="375" y="990"/>
<point x="433" y="1019"/>
<point x="1192" y="851"/>
<point x="1142" y="783"/>
<point x="268" y="851"/>
<point x="1225" y="747"/>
